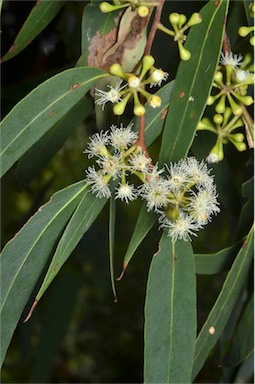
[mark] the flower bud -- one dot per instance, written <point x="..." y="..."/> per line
<point x="210" y="100"/>
<point x="244" y="31"/>
<point x="182" y="20"/>
<point x="119" y="108"/>
<point x="116" y="70"/>
<point x="174" y="18"/>
<point x="143" y="11"/>
<point x="218" y="77"/>
<point x="172" y="213"/>
<point x="195" y="19"/>
<point x="185" y="55"/>
<point x="218" y="119"/>
<point x="238" y="137"/>
<point x="239" y="146"/>
<point x="246" y="100"/>
<point x="220" y="107"/>
<point x="236" y="108"/>
<point x="252" y="41"/>
<point x="216" y="153"/>
<point x="139" y="110"/>
<point x="106" y="7"/>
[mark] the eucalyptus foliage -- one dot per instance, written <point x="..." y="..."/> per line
<point x="176" y="139"/>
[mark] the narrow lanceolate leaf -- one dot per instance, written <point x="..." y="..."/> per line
<point x="170" y="314"/>
<point x="45" y="148"/>
<point x="112" y="215"/>
<point x="40" y="16"/>
<point x="84" y="216"/>
<point x="242" y="344"/>
<point x="224" y="304"/>
<point x="24" y="257"/>
<point x="212" y="263"/>
<point x="188" y="99"/>
<point x="41" y="109"/>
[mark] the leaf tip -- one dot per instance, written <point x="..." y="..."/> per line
<point x="31" y="311"/>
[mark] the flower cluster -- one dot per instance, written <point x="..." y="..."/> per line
<point x="142" y="6"/>
<point x="134" y="85"/>
<point x="180" y="25"/>
<point x="231" y="82"/>
<point x="183" y="194"/>
<point x="223" y="126"/>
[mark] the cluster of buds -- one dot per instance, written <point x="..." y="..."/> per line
<point x="180" y="25"/>
<point x="185" y="198"/>
<point x="245" y="30"/>
<point x="142" y="7"/>
<point x="133" y="87"/>
<point x="232" y="84"/>
<point x="223" y="126"/>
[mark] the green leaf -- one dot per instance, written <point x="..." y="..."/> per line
<point x="242" y="343"/>
<point x="188" y="99"/>
<point x="224" y="304"/>
<point x="83" y="217"/>
<point x="24" y="257"/>
<point x="40" y="16"/>
<point x="213" y="263"/>
<point x="247" y="214"/>
<point x="41" y="109"/>
<point x="112" y="215"/>
<point x="170" y="314"/>
<point x="45" y="148"/>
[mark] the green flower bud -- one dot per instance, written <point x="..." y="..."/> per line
<point x="172" y="213"/>
<point x="217" y="151"/>
<point x="195" y="19"/>
<point x="220" y="107"/>
<point x="218" y="77"/>
<point x="119" y="108"/>
<point x="218" y="119"/>
<point x="139" y="110"/>
<point x="116" y="70"/>
<point x="143" y="11"/>
<point x="185" y="55"/>
<point x="148" y="62"/>
<point x="238" y="137"/>
<point x="252" y="41"/>
<point x="236" y="109"/>
<point x="210" y="100"/>
<point x="239" y="146"/>
<point x="244" y="31"/>
<point x="182" y="20"/>
<point x="246" y="100"/>
<point x="106" y="7"/>
<point x="174" y="18"/>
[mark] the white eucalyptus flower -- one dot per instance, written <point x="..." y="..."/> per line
<point x="98" y="183"/>
<point x="126" y="192"/>
<point x="121" y="138"/>
<point x="113" y="96"/>
<point x="97" y="145"/>
<point x="231" y="59"/>
<point x="157" y="76"/>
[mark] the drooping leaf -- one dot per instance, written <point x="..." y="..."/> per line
<point x="83" y="217"/>
<point x="41" y="109"/>
<point x="170" y="314"/>
<point x="24" y="257"/>
<point x="209" y="264"/>
<point x="242" y="344"/>
<point x="224" y="304"/>
<point x="45" y="148"/>
<point x="40" y="16"/>
<point x="188" y="99"/>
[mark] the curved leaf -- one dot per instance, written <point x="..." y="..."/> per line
<point x="188" y="99"/>
<point x="46" y="147"/>
<point x="86" y="212"/>
<point x="40" y="16"/>
<point x="24" y="257"/>
<point x="209" y="264"/>
<point x="41" y="109"/>
<point x="242" y="344"/>
<point x="224" y="304"/>
<point x="170" y="314"/>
